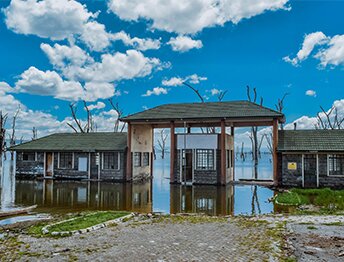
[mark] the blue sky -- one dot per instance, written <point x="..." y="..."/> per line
<point x="227" y="49"/>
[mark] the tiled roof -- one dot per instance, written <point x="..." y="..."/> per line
<point x="84" y="142"/>
<point x="208" y="110"/>
<point x="311" y="140"/>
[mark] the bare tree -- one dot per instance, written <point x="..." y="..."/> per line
<point x="34" y="133"/>
<point x="254" y="129"/>
<point x="12" y="136"/>
<point x="88" y="127"/>
<point x="119" y="112"/>
<point x="280" y="106"/>
<point x="162" y="142"/>
<point x="242" y="154"/>
<point x="329" y="119"/>
<point x="3" y="119"/>
<point x="268" y="138"/>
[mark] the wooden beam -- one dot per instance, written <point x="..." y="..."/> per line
<point x="223" y="153"/>
<point x="172" y="151"/>
<point x="129" y="158"/>
<point x="274" y="144"/>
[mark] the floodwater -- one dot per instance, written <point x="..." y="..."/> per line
<point x="56" y="196"/>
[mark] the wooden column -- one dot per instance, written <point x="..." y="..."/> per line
<point x="172" y="151"/>
<point x="233" y="153"/>
<point x="223" y="153"/>
<point x="274" y="144"/>
<point x="129" y="158"/>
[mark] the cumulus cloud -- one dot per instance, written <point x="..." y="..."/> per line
<point x="311" y="93"/>
<point x="97" y="106"/>
<point x="178" y="81"/>
<point x="156" y="91"/>
<point x="114" y="67"/>
<point x="95" y="36"/>
<point x="141" y="44"/>
<point x="330" y="51"/>
<point x="184" y="43"/>
<point x="191" y="16"/>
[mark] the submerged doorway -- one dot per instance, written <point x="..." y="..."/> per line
<point x="310" y="171"/>
<point x="187" y="166"/>
<point x="49" y="165"/>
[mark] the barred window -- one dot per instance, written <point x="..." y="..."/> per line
<point x="111" y="160"/>
<point x="336" y="165"/>
<point x="66" y="160"/>
<point x="29" y="156"/>
<point x="205" y="159"/>
<point x="137" y="159"/>
<point x="145" y="159"/>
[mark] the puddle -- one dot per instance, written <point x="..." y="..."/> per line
<point x="17" y="219"/>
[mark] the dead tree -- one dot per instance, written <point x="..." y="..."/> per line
<point x="242" y="154"/>
<point x="119" y="112"/>
<point x="280" y="106"/>
<point x="34" y="133"/>
<point x="268" y="138"/>
<point x="329" y="119"/>
<point x="162" y="142"/>
<point x="12" y="136"/>
<point x="88" y="127"/>
<point x="254" y="129"/>
<point x="220" y="97"/>
<point x="3" y="119"/>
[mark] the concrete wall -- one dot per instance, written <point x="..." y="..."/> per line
<point x="141" y="141"/>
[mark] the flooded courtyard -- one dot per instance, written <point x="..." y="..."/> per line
<point x="158" y="195"/>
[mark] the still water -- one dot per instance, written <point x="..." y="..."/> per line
<point x="54" y="196"/>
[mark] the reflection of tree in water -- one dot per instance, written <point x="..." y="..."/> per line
<point x="255" y="201"/>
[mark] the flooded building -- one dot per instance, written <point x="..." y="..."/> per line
<point x="94" y="156"/>
<point x="311" y="158"/>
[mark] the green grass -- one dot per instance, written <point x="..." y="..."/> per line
<point x="86" y="221"/>
<point x="325" y="198"/>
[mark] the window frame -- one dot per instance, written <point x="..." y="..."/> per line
<point x="29" y="153"/>
<point x="207" y="153"/>
<point x="139" y="162"/>
<point x="59" y="160"/>
<point x="144" y="164"/>
<point x="332" y="163"/>
<point x="118" y="160"/>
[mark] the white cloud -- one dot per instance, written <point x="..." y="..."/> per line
<point x="178" y="81"/>
<point x="98" y="90"/>
<point x="47" y="18"/>
<point x="334" y="53"/>
<point x="115" y="67"/>
<point x="184" y="43"/>
<point x="61" y="55"/>
<point x="191" y="16"/>
<point x="156" y="91"/>
<point x="95" y="36"/>
<point x="331" y="51"/>
<point x="311" y="93"/>
<point x="99" y="105"/>
<point x="142" y="44"/>
<point x="214" y="91"/>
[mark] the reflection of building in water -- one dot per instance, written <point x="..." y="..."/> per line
<point x="211" y="200"/>
<point x="68" y="195"/>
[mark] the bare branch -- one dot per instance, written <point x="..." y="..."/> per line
<point x="195" y="90"/>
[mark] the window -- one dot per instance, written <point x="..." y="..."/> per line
<point x="66" y="160"/>
<point x="110" y="160"/>
<point x="145" y="159"/>
<point x="336" y="165"/>
<point x="228" y="159"/>
<point x="137" y="159"/>
<point x="29" y="156"/>
<point x="205" y="159"/>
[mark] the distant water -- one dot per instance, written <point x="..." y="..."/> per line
<point x="54" y="196"/>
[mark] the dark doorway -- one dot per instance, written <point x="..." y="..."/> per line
<point x="94" y="169"/>
<point x="187" y="165"/>
<point x="310" y="171"/>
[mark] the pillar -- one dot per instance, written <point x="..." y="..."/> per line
<point x="223" y="153"/>
<point x="233" y="156"/>
<point x="129" y="158"/>
<point x="274" y="145"/>
<point x="172" y="151"/>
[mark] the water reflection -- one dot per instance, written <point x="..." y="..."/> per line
<point x="55" y="196"/>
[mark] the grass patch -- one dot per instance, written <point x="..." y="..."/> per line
<point x="329" y="200"/>
<point x="312" y="227"/>
<point x="86" y="221"/>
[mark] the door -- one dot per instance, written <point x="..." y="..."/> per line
<point x="95" y="159"/>
<point x="82" y="164"/>
<point x="49" y="165"/>
<point x="310" y="171"/>
<point x="187" y="165"/>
